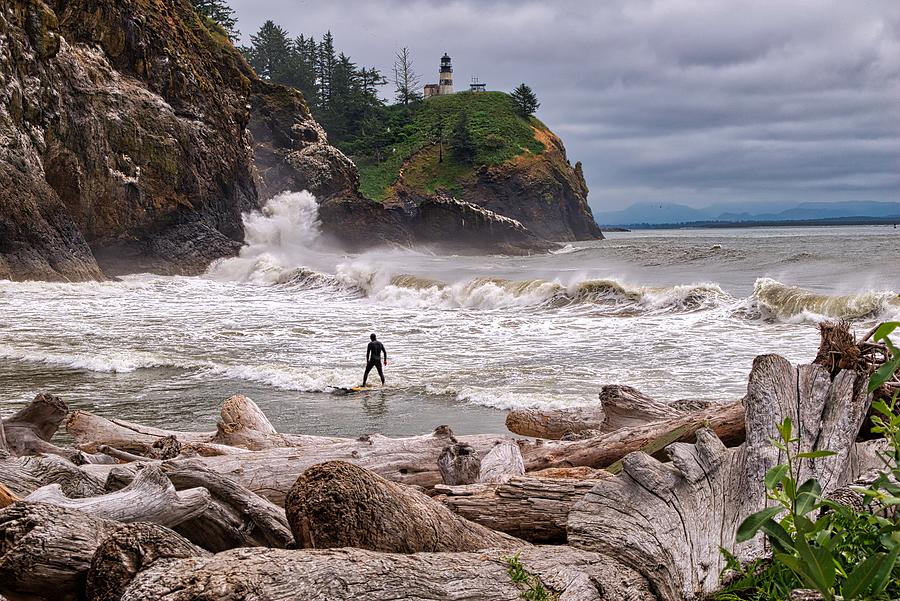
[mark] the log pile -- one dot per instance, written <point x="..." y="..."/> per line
<point x="636" y="506"/>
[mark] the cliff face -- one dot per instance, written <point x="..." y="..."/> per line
<point x="133" y="136"/>
<point x="125" y="128"/>
<point x="513" y="166"/>
<point x="542" y="191"/>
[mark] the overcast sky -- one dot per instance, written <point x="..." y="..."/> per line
<point x="693" y="101"/>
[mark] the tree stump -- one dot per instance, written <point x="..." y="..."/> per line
<point x="459" y="464"/>
<point x="45" y="550"/>
<point x="668" y="521"/>
<point x="337" y="504"/>
<point x="502" y="462"/>
<point x="127" y="551"/>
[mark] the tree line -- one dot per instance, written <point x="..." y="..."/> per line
<point x="343" y="97"/>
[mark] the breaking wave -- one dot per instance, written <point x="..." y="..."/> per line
<point x="773" y="300"/>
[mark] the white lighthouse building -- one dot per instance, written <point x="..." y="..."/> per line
<point x="445" y="85"/>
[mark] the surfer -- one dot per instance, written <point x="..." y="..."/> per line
<point x="373" y="358"/>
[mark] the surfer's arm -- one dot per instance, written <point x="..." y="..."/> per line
<point x="384" y="350"/>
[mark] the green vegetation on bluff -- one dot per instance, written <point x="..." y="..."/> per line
<point x="447" y="136"/>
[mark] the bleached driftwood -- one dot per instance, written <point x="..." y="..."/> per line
<point x="668" y="521"/>
<point x="459" y="463"/>
<point x="272" y="472"/>
<point x="91" y="431"/>
<point x="235" y="517"/>
<point x="617" y="407"/>
<point x="605" y="449"/>
<point x="247" y="519"/>
<point x="127" y="551"/>
<point x="150" y="497"/>
<point x="24" y="475"/>
<point x="533" y="509"/>
<point x="45" y="550"/>
<point x="353" y="574"/>
<point x="28" y="431"/>
<point x="337" y="504"/>
<point x="502" y="462"/>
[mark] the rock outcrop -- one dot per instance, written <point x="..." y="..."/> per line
<point x="542" y="191"/>
<point x="133" y="136"/>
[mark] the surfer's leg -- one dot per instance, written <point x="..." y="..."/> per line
<point x="380" y="371"/>
<point x="368" y="369"/>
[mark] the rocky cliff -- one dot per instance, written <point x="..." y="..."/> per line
<point x="513" y="166"/>
<point x="133" y="136"/>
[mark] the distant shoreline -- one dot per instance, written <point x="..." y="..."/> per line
<point x="761" y="223"/>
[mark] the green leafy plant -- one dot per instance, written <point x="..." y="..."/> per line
<point x="890" y="367"/>
<point x="839" y="552"/>
<point x="518" y="574"/>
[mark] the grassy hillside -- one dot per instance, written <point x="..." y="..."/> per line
<point x="498" y="133"/>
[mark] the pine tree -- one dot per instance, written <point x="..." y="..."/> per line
<point x="406" y="80"/>
<point x="461" y="142"/>
<point x="326" y="60"/>
<point x="221" y="13"/>
<point x="270" y="52"/>
<point x="525" y="100"/>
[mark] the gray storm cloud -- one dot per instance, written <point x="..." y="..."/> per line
<point x="694" y="101"/>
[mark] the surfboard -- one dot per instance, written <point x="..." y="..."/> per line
<point x="351" y="390"/>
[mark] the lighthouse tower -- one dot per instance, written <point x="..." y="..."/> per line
<point x="446" y="80"/>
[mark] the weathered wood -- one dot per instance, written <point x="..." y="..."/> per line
<point x="45" y="550"/>
<point x="533" y="509"/>
<point x="24" y="475"/>
<point x="127" y="551"/>
<point x="29" y="430"/>
<point x="235" y="517"/>
<point x="668" y="521"/>
<point x="337" y="504"/>
<point x="249" y="519"/>
<point x="149" y="498"/>
<point x="271" y="473"/>
<point x="353" y="574"/>
<point x="459" y="463"/>
<point x="89" y="431"/>
<point x="501" y="463"/>
<point x="4" y="447"/>
<point x="603" y="450"/>
<point x="618" y="407"/>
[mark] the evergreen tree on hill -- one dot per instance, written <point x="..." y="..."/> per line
<point x="221" y="13"/>
<point x="406" y="80"/>
<point x="270" y="54"/>
<point x="525" y="100"/>
<point x="461" y="142"/>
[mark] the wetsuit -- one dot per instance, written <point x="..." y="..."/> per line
<point x="373" y="359"/>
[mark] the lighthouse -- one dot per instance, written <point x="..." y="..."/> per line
<point x="446" y="80"/>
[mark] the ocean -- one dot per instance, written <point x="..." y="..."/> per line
<point x="674" y="313"/>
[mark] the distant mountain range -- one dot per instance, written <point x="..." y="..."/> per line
<point x="647" y="213"/>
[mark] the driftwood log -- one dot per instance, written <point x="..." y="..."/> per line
<point x="618" y="407"/>
<point x="272" y="472"/>
<point x="150" y="497"/>
<point x="127" y="551"/>
<point x="533" y="509"/>
<point x="24" y="475"/>
<point x="337" y="504"/>
<point x="235" y="517"/>
<point x="668" y="521"/>
<point x="502" y="462"/>
<point x="605" y="449"/>
<point x="45" y="550"/>
<point x="459" y="463"/>
<point x="28" y="431"/>
<point x="353" y="574"/>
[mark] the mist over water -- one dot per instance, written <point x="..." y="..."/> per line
<point x="676" y="314"/>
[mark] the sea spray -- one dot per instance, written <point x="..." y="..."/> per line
<point x="280" y="237"/>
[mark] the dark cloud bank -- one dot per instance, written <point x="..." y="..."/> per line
<point x="691" y="101"/>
